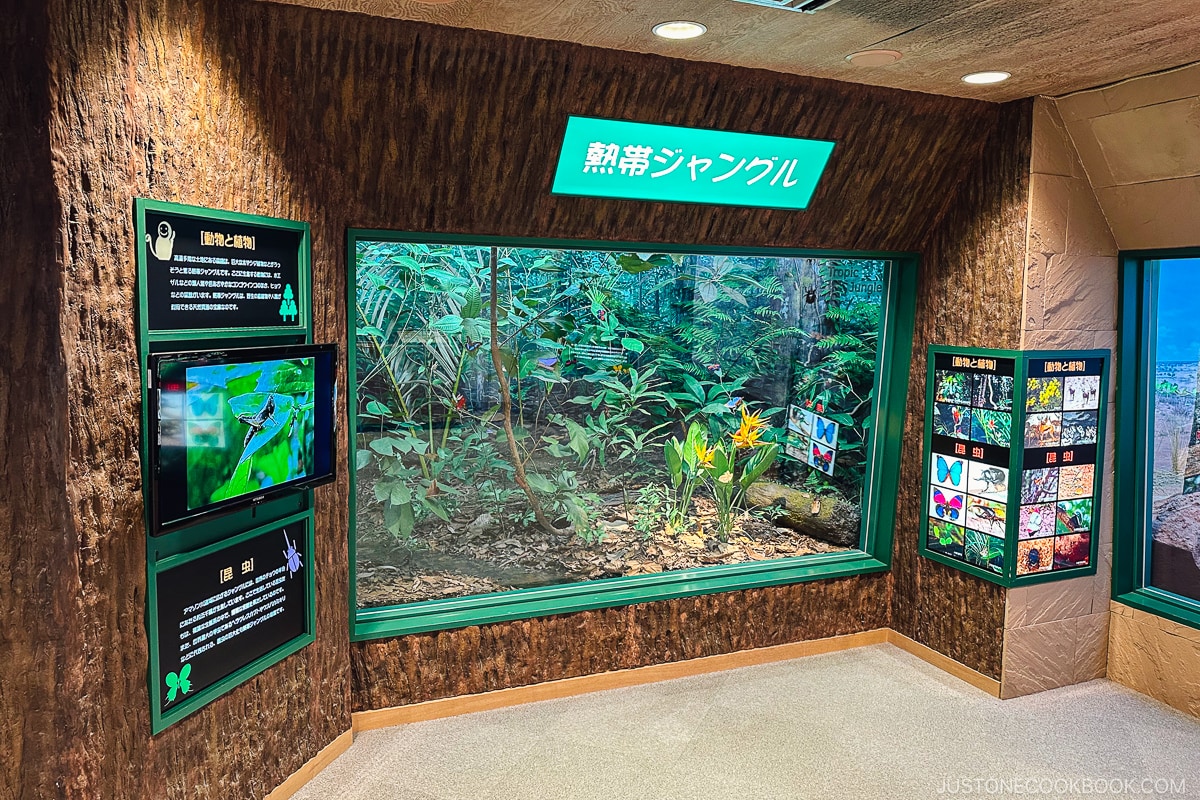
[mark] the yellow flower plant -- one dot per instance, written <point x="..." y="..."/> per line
<point x="749" y="432"/>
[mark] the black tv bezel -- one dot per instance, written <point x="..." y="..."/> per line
<point x="160" y="527"/>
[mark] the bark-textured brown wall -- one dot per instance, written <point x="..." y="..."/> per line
<point x="146" y="99"/>
<point x="342" y="121"/>
<point x="428" y="666"/>
<point x="38" y="558"/>
<point x="970" y="295"/>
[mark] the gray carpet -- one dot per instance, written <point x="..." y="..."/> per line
<point x="869" y="723"/>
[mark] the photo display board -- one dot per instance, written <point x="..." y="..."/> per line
<point x="218" y="612"/>
<point x="1012" y="449"/>
<point x="811" y="437"/>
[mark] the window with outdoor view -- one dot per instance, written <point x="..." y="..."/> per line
<point x="1173" y="547"/>
<point x="529" y="417"/>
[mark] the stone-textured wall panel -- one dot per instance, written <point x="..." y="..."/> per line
<point x="1055" y="633"/>
<point x="1155" y="656"/>
<point x="1138" y="144"/>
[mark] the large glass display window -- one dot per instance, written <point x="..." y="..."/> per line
<point x="546" y="428"/>
<point x="1157" y="547"/>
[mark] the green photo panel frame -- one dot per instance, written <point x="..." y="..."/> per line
<point x="222" y="614"/>
<point x="1014" y="462"/>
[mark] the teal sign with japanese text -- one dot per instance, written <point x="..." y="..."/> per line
<point x="641" y="161"/>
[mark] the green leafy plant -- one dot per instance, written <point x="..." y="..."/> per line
<point x="651" y="513"/>
<point x="727" y="479"/>
<point x="683" y="458"/>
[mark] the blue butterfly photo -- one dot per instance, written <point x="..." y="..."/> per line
<point x="825" y="430"/>
<point x="949" y="470"/>
<point x="204" y="404"/>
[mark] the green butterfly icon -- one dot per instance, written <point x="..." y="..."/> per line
<point x="179" y="683"/>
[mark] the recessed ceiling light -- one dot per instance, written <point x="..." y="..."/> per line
<point x="874" y="58"/>
<point x="980" y="78"/>
<point x="679" y="29"/>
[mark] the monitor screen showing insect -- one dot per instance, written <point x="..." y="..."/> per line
<point x="233" y="427"/>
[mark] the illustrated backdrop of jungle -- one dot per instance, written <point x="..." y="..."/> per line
<point x="530" y="417"/>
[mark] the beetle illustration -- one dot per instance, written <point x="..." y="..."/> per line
<point x="994" y="480"/>
<point x="292" y="555"/>
<point x="258" y="420"/>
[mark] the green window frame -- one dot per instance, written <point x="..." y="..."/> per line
<point x="879" y="500"/>
<point x="1136" y="324"/>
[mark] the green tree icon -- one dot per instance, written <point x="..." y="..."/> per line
<point x="288" y="307"/>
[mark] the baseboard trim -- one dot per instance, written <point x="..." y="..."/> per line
<point x="311" y="767"/>
<point x="944" y="663"/>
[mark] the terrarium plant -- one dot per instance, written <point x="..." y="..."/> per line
<point x="727" y="467"/>
<point x="727" y="478"/>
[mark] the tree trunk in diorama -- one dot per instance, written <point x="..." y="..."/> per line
<point x="811" y="301"/>
<point x="506" y="410"/>
<point x="802" y="307"/>
<point x="827" y="517"/>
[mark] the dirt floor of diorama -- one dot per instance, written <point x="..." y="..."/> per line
<point x="476" y="554"/>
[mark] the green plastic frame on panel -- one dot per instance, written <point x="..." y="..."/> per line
<point x="879" y="500"/>
<point x="1009" y="575"/>
<point x="208" y="535"/>
<point x="160" y="720"/>
<point x="300" y="325"/>
<point x="1136" y="319"/>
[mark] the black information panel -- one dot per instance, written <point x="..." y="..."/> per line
<point x="206" y="271"/>
<point x="1059" y="486"/>
<point x="220" y="612"/>
<point x="969" y="455"/>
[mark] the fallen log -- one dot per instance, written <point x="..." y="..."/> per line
<point x="827" y="517"/>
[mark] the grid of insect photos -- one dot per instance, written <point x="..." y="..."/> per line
<point x="812" y="438"/>
<point x="969" y="457"/>
<point x="1062" y="429"/>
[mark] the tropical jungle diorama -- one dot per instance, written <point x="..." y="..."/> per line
<point x="530" y="417"/>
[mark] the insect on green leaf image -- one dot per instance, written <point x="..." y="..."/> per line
<point x="178" y="683"/>
<point x="267" y="424"/>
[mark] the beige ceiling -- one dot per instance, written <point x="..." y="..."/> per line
<point x="1050" y="46"/>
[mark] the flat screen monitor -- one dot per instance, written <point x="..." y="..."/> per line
<point x="231" y="428"/>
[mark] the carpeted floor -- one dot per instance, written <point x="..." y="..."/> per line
<point x="867" y="724"/>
